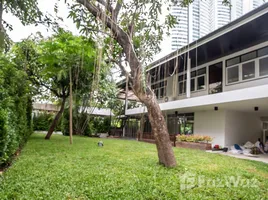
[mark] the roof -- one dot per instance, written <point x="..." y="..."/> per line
<point x="215" y="34"/>
<point x="89" y="110"/>
<point x="98" y="111"/>
<point x="45" y="107"/>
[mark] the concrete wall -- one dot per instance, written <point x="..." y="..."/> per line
<point x="241" y="127"/>
<point x="211" y="123"/>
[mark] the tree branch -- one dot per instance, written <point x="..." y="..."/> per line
<point x="120" y="35"/>
<point x="106" y="5"/>
<point x="117" y="9"/>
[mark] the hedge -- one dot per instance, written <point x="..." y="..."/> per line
<point x="15" y="110"/>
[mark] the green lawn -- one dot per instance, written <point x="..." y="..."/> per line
<point x="125" y="170"/>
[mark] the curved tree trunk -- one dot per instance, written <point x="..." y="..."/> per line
<point x="146" y="95"/>
<point x="56" y="119"/>
<point x="159" y="129"/>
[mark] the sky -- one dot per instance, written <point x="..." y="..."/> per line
<point x="20" y="32"/>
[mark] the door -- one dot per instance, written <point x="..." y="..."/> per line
<point x="215" y="78"/>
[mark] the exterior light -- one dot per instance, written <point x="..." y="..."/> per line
<point x="256" y="108"/>
<point x="216" y="108"/>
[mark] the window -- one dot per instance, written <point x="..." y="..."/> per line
<point x="159" y="89"/>
<point x="263" y="66"/>
<point x="198" y="76"/>
<point x="263" y="52"/>
<point x="233" y="61"/>
<point x="192" y="84"/>
<point x="248" y="70"/>
<point x="182" y="87"/>
<point x="233" y="74"/>
<point x="248" y="56"/>
<point x="201" y="83"/>
<point x="202" y="71"/>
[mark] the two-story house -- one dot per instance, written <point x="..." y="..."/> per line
<point x="217" y="85"/>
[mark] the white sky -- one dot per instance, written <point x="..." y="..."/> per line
<point x="20" y="32"/>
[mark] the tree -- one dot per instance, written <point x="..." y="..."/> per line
<point x="27" y="11"/>
<point x="135" y="32"/>
<point x="48" y="63"/>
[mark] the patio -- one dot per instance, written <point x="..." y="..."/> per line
<point x="259" y="157"/>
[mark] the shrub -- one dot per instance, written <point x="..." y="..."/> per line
<point x="94" y="125"/>
<point x="15" y="109"/>
<point x="194" y="138"/>
<point x="42" y="122"/>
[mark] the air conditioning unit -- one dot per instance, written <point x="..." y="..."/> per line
<point x="168" y="98"/>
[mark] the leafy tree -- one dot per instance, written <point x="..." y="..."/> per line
<point x="49" y="61"/>
<point x="134" y="32"/>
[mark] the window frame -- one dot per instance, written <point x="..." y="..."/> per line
<point x="258" y="63"/>
<point x="246" y="62"/>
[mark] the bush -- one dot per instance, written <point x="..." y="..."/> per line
<point x="94" y="125"/>
<point x="42" y="122"/>
<point x="15" y="110"/>
<point x="194" y="138"/>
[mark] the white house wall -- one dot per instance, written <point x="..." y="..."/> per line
<point x="211" y="123"/>
<point x="241" y="127"/>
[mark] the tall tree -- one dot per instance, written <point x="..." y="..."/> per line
<point x="135" y="31"/>
<point x="49" y="63"/>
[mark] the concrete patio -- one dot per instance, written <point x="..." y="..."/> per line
<point x="259" y="157"/>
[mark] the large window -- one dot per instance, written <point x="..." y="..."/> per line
<point x="263" y="63"/>
<point x="233" y="74"/>
<point x="247" y="66"/>
<point x="201" y="85"/>
<point x="198" y="79"/>
<point x="160" y="89"/>
<point x="248" y="70"/>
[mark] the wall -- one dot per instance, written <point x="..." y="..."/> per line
<point x="211" y="123"/>
<point x="246" y="84"/>
<point x="241" y="127"/>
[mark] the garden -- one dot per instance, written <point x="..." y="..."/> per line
<point x="124" y="169"/>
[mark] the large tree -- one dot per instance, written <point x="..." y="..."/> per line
<point x="50" y="62"/>
<point x="135" y="31"/>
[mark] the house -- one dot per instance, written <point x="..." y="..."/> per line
<point x="217" y="85"/>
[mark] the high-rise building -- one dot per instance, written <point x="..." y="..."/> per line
<point x="205" y="17"/>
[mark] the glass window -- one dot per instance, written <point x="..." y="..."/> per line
<point x="233" y="61"/>
<point x="264" y="66"/>
<point x="162" y="92"/>
<point x="249" y="56"/>
<point x="202" y="71"/>
<point x="201" y="83"/>
<point x="248" y="70"/>
<point x="193" y="84"/>
<point x="233" y="75"/>
<point x="263" y="52"/>
<point x="182" y="87"/>
<point x="182" y="77"/>
<point x="193" y="74"/>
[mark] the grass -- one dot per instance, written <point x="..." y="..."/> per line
<point x="124" y="169"/>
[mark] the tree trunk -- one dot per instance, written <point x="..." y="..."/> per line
<point x="55" y="121"/>
<point x="146" y="95"/>
<point x="71" y="110"/>
<point x="159" y="129"/>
